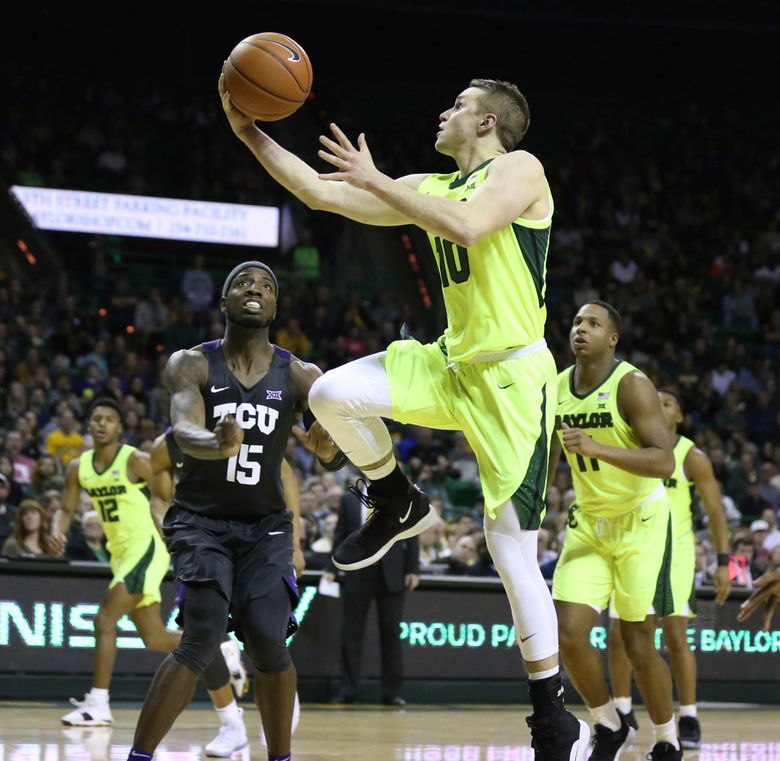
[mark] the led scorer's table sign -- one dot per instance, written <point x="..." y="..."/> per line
<point x="449" y="630"/>
<point x="150" y="217"/>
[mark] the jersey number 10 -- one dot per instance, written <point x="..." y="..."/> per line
<point x="242" y="468"/>
<point x="449" y="269"/>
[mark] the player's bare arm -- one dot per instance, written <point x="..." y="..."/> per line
<point x="552" y="462"/>
<point x="60" y="522"/>
<point x="515" y="183"/>
<point x="767" y="593"/>
<point x="698" y="468"/>
<point x="292" y="498"/>
<point x="184" y="375"/>
<point x="141" y="470"/>
<point x="303" y="181"/>
<point x="161" y="459"/>
<point x="641" y="409"/>
<point x="139" y="467"/>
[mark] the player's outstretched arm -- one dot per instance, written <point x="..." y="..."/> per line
<point x="184" y="374"/>
<point x="699" y="469"/>
<point x="767" y="593"/>
<point x="60" y="522"/>
<point x="641" y="409"/>
<point x="515" y="181"/>
<point x="302" y="181"/>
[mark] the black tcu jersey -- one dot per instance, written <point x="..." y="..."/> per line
<point x="248" y="485"/>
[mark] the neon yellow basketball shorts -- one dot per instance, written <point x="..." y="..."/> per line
<point x="506" y="410"/>
<point x="142" y="566"/>
<point x="629" y="555"/>
<point x="683" y="575"/>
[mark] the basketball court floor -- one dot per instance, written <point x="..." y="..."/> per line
<point x="32" y="732"/>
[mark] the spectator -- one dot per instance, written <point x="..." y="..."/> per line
<point x="306" y="258"/>
<point x="28" y="539"/>
<point x="23" y="466"/>
<point x="738" y="307"/>
<point x="752" y="504"/>
<point x="772" y="539"/>
<point x="292" y="338"/>
<point x="703" y="575"/>
<point x="7" y="510"/>
<point x="197" y="287"/>
<point x="45" y="469"/>
<point x="65" y="441"/>
<point x="90" y="542"/>
<point x="433" y="550"/>
<point x="150" y="319"/>
<point x="386" y="583"/>
<point x="16" y="491"/>
<point x="324" y="545"/>
<point x="463" y="559"/>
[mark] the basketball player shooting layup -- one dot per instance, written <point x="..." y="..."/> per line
<point x="490" y="374"/>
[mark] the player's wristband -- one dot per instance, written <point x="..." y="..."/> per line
<point x="723" y="560"/>
<point x="336" y="463"/>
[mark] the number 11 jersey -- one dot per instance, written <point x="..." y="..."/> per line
<point x="248" y="485"/>
<point x="602" y="490"/>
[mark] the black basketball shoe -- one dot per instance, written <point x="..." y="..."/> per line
<point x="610" y="743"/>
<point x="558" y="736"/>
<point x="690" y="732"/>
<point x="390" y="520"/>
<point x="631" y="720"/>
<point x="665" y="752"/>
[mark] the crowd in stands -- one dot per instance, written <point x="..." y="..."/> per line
<point x="669" y="219"/>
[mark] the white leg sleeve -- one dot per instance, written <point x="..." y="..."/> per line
<point x="349" y="402"/>
<point x="514" y="555"/>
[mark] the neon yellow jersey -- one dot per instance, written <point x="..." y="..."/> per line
<point x="494" y="290"/>
<point x="602" y="490"/>
<point x="678" y="487"/>
<point x="123" y="508"/>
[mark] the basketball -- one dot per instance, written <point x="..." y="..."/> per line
<point x="268" y="76"/>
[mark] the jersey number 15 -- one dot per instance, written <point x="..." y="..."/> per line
<point x="242" y="468"/>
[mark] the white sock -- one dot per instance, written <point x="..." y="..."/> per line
<point x="688" y="711"/>
<point x="623" y="704"/>
<point x="229" y="714"/>
<point x="666" y="733"/>
<point x="543" y="674"/>
<point x="606" y="715"/>
<point x="99" y="695"/>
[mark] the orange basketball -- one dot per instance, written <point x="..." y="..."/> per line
<point x="268" y="76"/>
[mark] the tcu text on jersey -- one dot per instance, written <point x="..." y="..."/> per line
<point x="249" y="415"/>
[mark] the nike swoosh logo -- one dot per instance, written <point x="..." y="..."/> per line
<point x="406" y="517"/>
<point x="292" y="51"/>
<point x="507" y="386"/>
<point x="179" y="464"/>
<point x="275" y="533"/>
<point x="646" y="519"/>
<point x="215" y="390"/>
<point x="523" y="639"/>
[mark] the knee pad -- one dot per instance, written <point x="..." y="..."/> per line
<point x="197" y="649"/>
<point x="269" y="655"/>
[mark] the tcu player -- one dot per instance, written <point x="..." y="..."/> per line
<point x="233" y="405"/>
